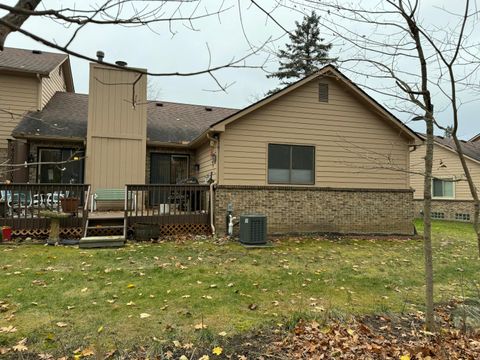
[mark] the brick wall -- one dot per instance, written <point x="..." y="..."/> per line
<point x="447" y="209"/>
<point x="294" y="209"/>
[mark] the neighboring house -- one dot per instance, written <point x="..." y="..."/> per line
<point x="28" y="80"/>
<point x="320" y="155"/>
<point x="451" y="197"/>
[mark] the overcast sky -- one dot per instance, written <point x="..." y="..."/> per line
<point x="186" y="50"/>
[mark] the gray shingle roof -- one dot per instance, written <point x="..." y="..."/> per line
<point x="29" y="61"/>
<point x="471" y="149"/>
<point x="65" y="116"/>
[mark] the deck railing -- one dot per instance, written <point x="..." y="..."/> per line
<point x="166" y="204"/>
<point x="23" y="205"/>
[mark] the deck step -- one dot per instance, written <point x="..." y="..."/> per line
<point x="105" y="227"/>
<point x="101" y="241"/>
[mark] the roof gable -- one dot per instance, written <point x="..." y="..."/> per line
<point x="328" y="70"/>
<point x="30" y="61"/>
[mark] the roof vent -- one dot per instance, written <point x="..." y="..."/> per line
<point x="36" y="51"/>
<point x="208" y="109"/>
<point x="159" y="104"/>
<point x="100" y="55"/>
<point x="121" y="63"/>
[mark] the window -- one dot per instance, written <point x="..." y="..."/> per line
<point x="462" y="217"/>
<point x="443" y="188"/>
<point x="438" y="215"/>
<point x="168" y="169"/>
<point x="63" y="166"/>
<point x="291" y="164"/>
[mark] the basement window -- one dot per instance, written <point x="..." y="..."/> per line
<point x="323" y="92"/>
<point x="291" y="164"/>
<point x="438" y="215"/>
<point x="462" y="217"/>
<point x="443" y="188"/>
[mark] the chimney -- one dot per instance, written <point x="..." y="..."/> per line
<point x="100" y="55"/>
<point x="117" y="127"/>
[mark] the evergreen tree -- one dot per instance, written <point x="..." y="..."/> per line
<point x="448" y="131"/>
<point x="305" y="53"/>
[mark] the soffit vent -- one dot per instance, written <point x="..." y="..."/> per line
<point x="323" y="92"/>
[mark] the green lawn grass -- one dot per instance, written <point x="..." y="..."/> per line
<point x="184" y="285"/>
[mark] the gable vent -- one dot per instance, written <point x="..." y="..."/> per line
<point x="323" y="92"/>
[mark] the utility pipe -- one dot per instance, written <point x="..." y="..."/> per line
<point x="212" y="185"/>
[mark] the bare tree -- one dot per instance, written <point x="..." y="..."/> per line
<point x="125" y="13"/>
<point x="391" y="43"/>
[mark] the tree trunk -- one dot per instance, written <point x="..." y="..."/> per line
<point x="427" y="231"/>
<point x="16" y="19"/>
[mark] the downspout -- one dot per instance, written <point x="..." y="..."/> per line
<point x="212" y="185"/>
<point x="212" y="207"/>
<point x="39" y="92"/>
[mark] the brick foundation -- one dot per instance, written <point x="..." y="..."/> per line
<point x="447" y="209"/>
<point x="325" y="210"/>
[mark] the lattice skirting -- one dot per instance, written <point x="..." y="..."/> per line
<point x="65" y="233"/>
<point x="77" y="232"/>
<point x="181" y="229"/>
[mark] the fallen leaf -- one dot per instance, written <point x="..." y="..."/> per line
<point x="87" y="352"/>
<point x="200" y="326"/>
<point x="217" y="350"/>
<point x="144" y="315"/>
<point x="223" y="333"/>
<point x="61" y="324"/>
<point x="8" y="329"/>
<point x="20" y="347"/>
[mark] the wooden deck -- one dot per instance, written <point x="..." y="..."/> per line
<point x="173" y="209"/>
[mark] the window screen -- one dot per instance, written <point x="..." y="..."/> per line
<point x="291" y="164"/>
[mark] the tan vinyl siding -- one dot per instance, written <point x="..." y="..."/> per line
<point x="116" y="134"/>
<point x="204" y="160"/>
<point x="18" y="95"/>
<point x="55" y="82"/>
<point x="445" y="165"/>
<point x="355" y="148"/>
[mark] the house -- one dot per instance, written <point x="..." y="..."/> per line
<point x="318" y="156"/>
<point x="28" y="81"/>
<point x="451" y="197"/>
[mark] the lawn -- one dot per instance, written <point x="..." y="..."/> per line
<point x="64" y="297"/>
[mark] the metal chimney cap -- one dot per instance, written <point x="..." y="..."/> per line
<point x="100" y="55"/>
<point x="121" y="63"/>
